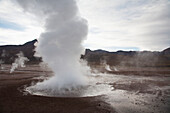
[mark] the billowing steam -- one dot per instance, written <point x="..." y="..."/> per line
<point x="107" y="67"/>
<point x="19" y="62"/>
<point x="60" y="45"/>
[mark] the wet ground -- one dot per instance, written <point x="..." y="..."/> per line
<point x="124" y="90"/>
<point x="13" y="99"/>
<point x="138" y="94"/>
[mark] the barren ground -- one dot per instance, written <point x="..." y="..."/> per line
<point x="135" y="90"/>
<point x="13" y="100"/>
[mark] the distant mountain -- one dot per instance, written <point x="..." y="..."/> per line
<point x="166" y="51"/>
<point x="128" y="58"/>
<point x="97" y="57"/>
<point x="8" y="52"/>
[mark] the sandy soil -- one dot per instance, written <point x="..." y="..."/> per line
<point x="134" y="90"/>
<point x="13" y="100"/>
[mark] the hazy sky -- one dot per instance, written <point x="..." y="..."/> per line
<point x="113" y="24"/>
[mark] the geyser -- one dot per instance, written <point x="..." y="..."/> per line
<point x="60" y="45"/>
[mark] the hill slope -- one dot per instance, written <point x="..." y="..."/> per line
<point x="128" y="58"/>
<point x="97" y="57"/>
<point x="8" y="52"/>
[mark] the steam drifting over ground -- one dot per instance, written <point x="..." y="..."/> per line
<point x="60" y="44"/>
<point x="19" y="62"/>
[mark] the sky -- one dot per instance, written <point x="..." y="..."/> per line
<point x="113" y="24"/>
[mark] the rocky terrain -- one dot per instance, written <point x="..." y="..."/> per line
<point x="97" y="57"/>
<point x="8" y="52"/>
<point x="129" y="58"/>
<point x="120" y="82"/>
<point x="13" y="98"/>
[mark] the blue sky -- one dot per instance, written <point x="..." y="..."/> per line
<point x="113" y="24"/>
<point x="10" y="25"/>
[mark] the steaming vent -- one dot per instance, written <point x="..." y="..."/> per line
<point x="95" y="87"/>
<point x="60" y="46"/>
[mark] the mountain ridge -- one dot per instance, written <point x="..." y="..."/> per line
<point x="96" y="57"/>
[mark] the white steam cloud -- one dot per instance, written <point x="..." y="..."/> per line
<point x="60" y="45"/>
<point x="107" y="67"/>
<point x="19" y="62"/>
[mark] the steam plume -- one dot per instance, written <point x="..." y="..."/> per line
<point x="60" y="44"/>
<point x="19" y="62"/>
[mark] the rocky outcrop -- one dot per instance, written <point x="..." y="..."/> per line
<point x="8" y="52"/>
<point x="129" y="58"/>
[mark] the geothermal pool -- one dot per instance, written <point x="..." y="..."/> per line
<point x="134" y="94"/>
<point x="95" y="87"/>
